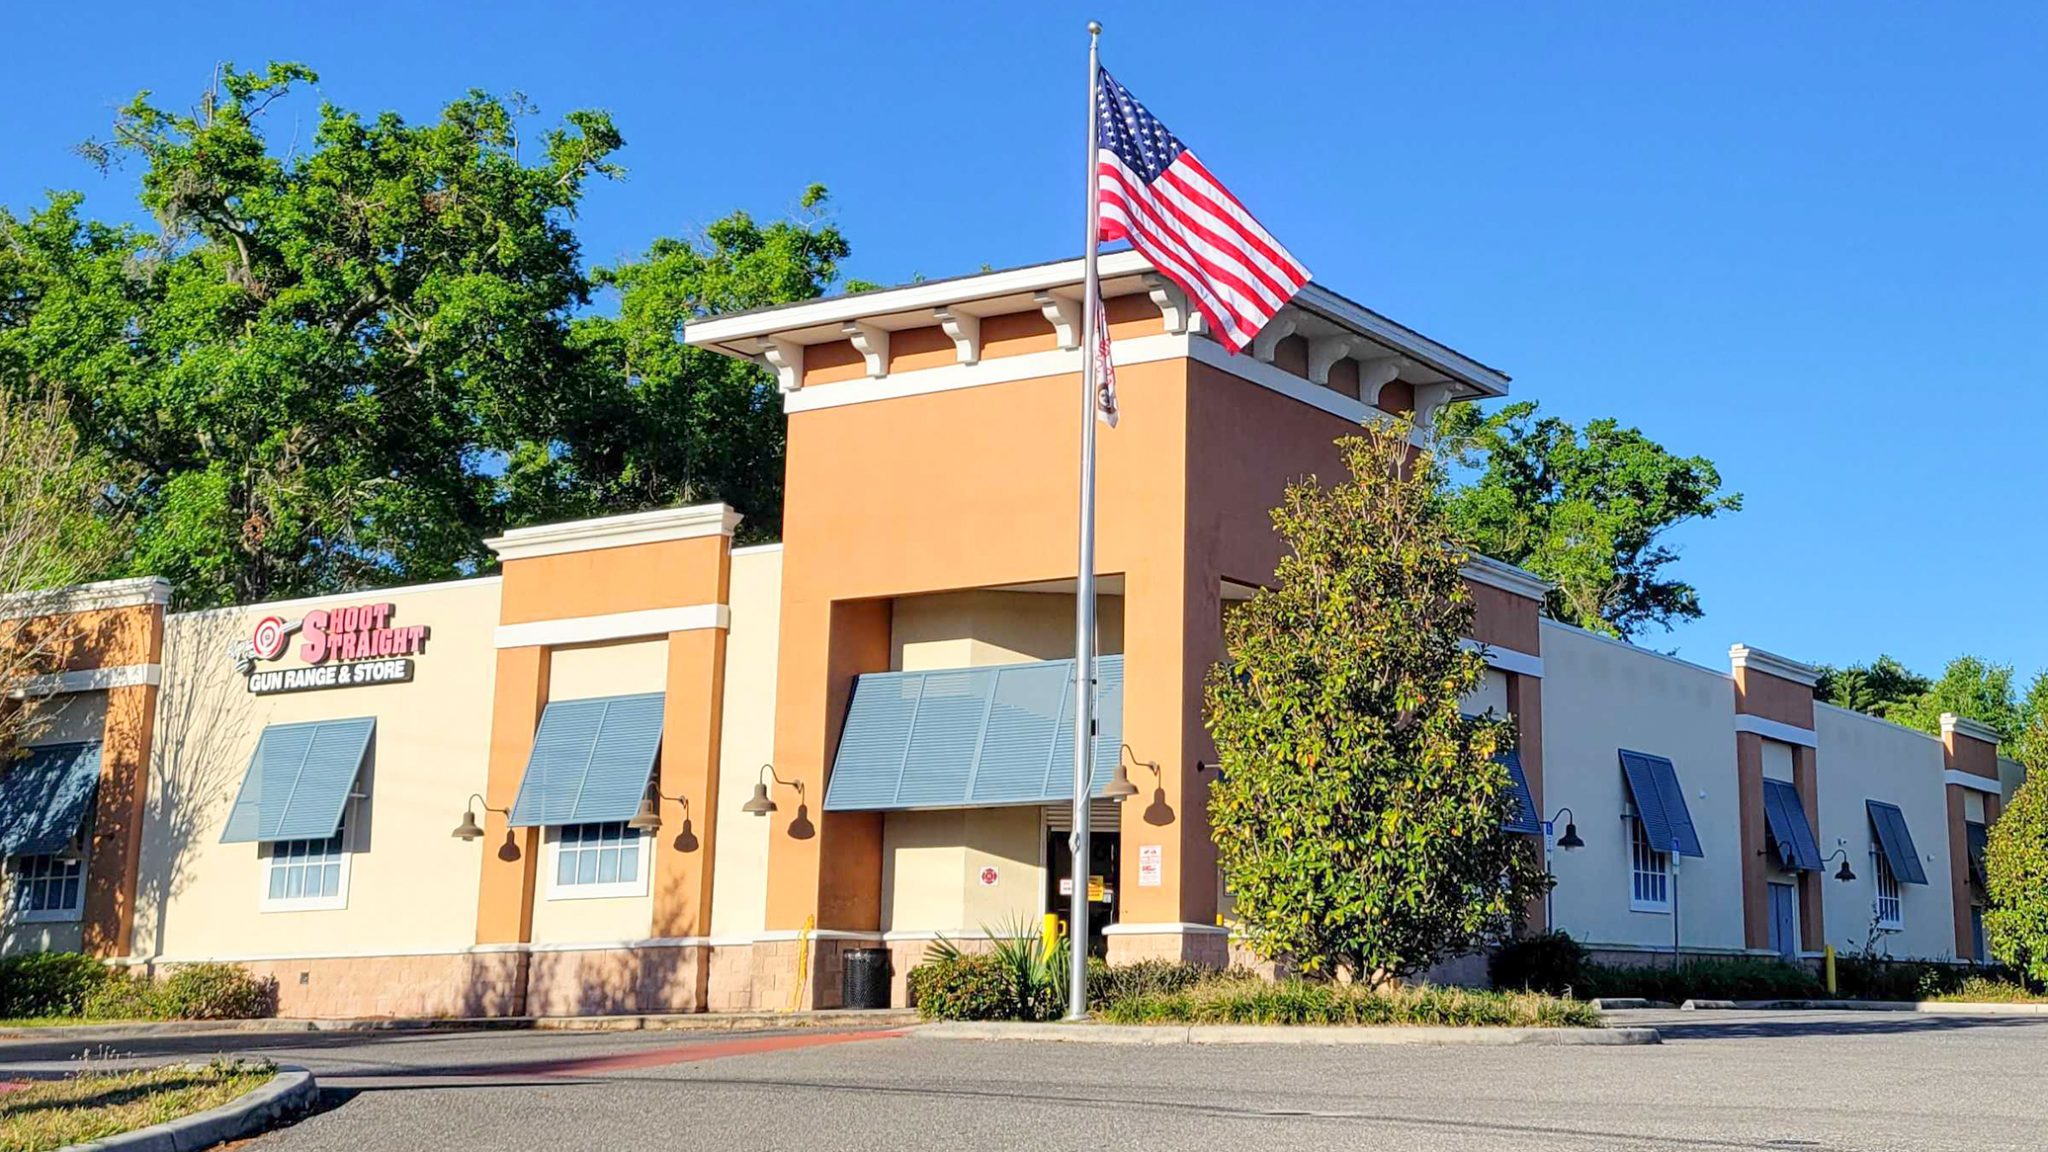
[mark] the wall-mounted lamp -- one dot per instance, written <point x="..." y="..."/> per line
<point x="469" y="829"/>
<point x="760" y="804"/>
<point x="1841" y="849"/>
<point x="1121" y="787"/>
<point x="1570" y="840"/>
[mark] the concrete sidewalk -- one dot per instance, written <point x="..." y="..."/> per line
<point x="1159" y="1034"/>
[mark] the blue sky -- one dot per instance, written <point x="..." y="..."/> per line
<point x="1806" y="241"/>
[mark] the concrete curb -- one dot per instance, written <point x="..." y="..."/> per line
<point x="1629" y="1003"/>
<point x="289" y="1093"/>
<point x="651" y="1022"/>
<point x="1924" y="1007"/>
<point x="1165" y="1034"/>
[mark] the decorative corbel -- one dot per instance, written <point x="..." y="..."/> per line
<point x="1065" y="314"/>
<point x="963" y="330"/>
<point x="1172" y="304"/>
<point x="1429" y="398"/>
<point x="1324" y="352"/>
<point x="1374" y="375"/>
<point x="786" y="357"/>
<point x="1279" y="328"/>
<point x="872" y="343"/>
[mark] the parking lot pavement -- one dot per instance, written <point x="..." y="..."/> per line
<point x="1723" y="1080"/>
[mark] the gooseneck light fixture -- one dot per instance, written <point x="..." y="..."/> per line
<point x="1570" y="840"/>
<point x="1844" y="874"/>
<point x="761" y="804"/>
<point x="469" y="829"/>
<point x="1120" y="787"/>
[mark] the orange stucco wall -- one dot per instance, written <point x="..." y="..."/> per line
<point x="1775" y="698"/>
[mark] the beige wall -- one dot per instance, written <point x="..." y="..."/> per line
<point x="980" y="628"/>
<point x="1863" y="758"/>
<point x="619" y="668"/>
<point x="932" y="864"/>
<point x="1492" y="693"/>
<point x="739" y="877"/>
<point x="1778" y="761"/>
<point x="1600" y="696"/>
<point x="412" y="886"/>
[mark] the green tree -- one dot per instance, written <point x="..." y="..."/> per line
<point x="345" y="362"/>
<point x="1873" y="688"/>
<point x="1970" y="687"/>
<point x="1589" y="509"/>
<point x="1358" y="817"/>
<point x="2016" y="878"/>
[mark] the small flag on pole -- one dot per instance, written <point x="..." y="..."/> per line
<point x="1154" y="193"/>
<point x="1105" y="370"/>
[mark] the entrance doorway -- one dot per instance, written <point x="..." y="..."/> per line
<point x="1784" y="921"/>
<point x="1103" y="856"/>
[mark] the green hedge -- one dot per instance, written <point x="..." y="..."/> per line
<point x="1703" y="978"/>
<point x="48" y="984"/>
<point x="56" y="985"/>
<point x="1237" y="1000"/>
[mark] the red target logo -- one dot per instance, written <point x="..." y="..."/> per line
<point x="270" y="638"/>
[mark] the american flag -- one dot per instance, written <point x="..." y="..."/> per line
<point x="1154" y="193"/>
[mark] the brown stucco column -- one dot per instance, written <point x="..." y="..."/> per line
<point x="504" y="911"/>
<point x="1525" y="703"/>
<point x="1773" y="700"/>
<point x="1806" y="778"/>
<point x="1749" y="791"/>
<point x="1970" y="750"/>
<point x="116" y="853"/>
<point x="689" y="770"/>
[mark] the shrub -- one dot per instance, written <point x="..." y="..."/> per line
<point x="1108" y="984"/>
<point x="1990" y="990"/>
<point x="124" y="997"/>
<point x="966" y="986"/>
<point x="48" y="983"/>
<point x="1550" y="962"/>
<point x="1240" y="1000"/>
<point x="2016" y="877"/>
<point x="1878" y="979"/>
<point x="215" y="992"/>
<point x="1706" y="978"/>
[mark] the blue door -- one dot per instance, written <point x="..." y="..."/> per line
<point x="1784" y="921"/>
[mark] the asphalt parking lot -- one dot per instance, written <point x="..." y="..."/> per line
<point x="1722" y="1080"/>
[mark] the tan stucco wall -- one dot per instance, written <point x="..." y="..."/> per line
<point x="739" y="878"/>
<point x="980" y="628"/>
<point x="412" y="886"/>
<point x="1863" y="758"/>
<point x="1777" y="761"/>
<point x="1600" y="696"/>
<point x="617" y="668"/>
<point x="1492" y="694"/>
<point x="932" y="864"/>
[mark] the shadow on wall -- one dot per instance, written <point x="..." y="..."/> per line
<point x="204" y="719"/>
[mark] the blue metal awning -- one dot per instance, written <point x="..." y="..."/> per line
<point x="591" y="761"/>
<point x="1896" y="842"/>
<point x="1660" y="803"/>
<point x="44" y="796"/>
<point x="971" y="737"/>
<point x="1785" y="818"/>
<point x="1527" y="819"/>
<point x="298" y="781"/>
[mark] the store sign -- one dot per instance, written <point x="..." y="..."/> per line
<point x="1149" y="871"/>
<point x="337" y="648"/>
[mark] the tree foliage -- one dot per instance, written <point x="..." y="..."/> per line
<point x="1873" y="688"/>
<point x="1587" y="508"/>
<point x="2016" y="878"/>
<point x="1358" y="818"/>
<point x="342" y="361"/>
<point x="1969" y="686"/>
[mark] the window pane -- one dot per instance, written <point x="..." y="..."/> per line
<point x="71" y="895"/>
<point x="276" y="882"/>
<point x="330" y="880"/>
<point x="608" y="866"/>
<point x="294" y="882"/>
<point x="586" y="867"/>
<point x="629" y="862"/>
<point x="565" y="866"/>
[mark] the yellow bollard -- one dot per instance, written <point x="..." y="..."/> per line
<point x="1831" y="970"/>
<point x="1049" y="934"/>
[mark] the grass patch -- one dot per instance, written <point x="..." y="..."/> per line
<point x="93" y="1105"/>
<point x="1253" y="1001"/>
<point x="1983" y="990"/>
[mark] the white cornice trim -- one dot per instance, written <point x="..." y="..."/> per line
<point x="1772" y="664"/>
<point x="90" y="680"/>
<point x="658" y="526"/>
<point x="1776" y="730"/>
<point x="95" y="597"/>
<point x="1964" y="726"/>
<point x="1506" y="659"/>
<point x="1506" y="577"/>
<point x="281" y="607"/>
<point x="781" y="934"/>
<point x="1181" y="929"/>
<point x="752" y="549"/>
<point x="614" y="626"/>
<point x="1973" y="782"/>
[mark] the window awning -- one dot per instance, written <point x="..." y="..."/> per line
<point x="298" y="781"/>
<point x="1896" y="842"/>
<point x="591" y="761"/>
<point x="44" y="796"/>
<point x="971" y="737"/>
<point x="1527" y="819"/>
<point x="1785" y="818"/>
<point x="1660" y="803"/>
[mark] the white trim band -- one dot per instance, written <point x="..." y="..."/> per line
<point x="613" y="626"/>
<point x="1506" y="659"/>
<point x="98" y="596"/>
<point x="1973" y="782"/>
<point x="656" y="527"/>
<point x="786" y="934"/>
<point x="90" y="680"/>
<point x="1776" y="730"/>
<point x="1506" y="577"/>
<point x="1180" y="929"/>
<point x="1772" y="664"/>
<point x="1964" y="726"/>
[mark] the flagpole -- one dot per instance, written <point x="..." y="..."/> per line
<point x="1084" y="586"/>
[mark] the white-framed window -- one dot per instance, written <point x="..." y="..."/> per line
<point x="1891" y="909"/>
<point x="590" y="861"/>
<point x="307" y="875"/>
<point x="1649" y="872"/>
<point x="48" y="889"/>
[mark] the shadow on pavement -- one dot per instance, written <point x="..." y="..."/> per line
<point x="1793" y="1025"/>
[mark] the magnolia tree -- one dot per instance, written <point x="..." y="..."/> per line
<point x="2016" y="867"/>
<point x="54" y="531"/>
<point x="1358" y="818"/>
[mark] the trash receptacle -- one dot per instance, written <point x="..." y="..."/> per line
<point x="866" y="976"/>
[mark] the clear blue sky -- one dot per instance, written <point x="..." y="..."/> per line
<point x="1807" y="244"/>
